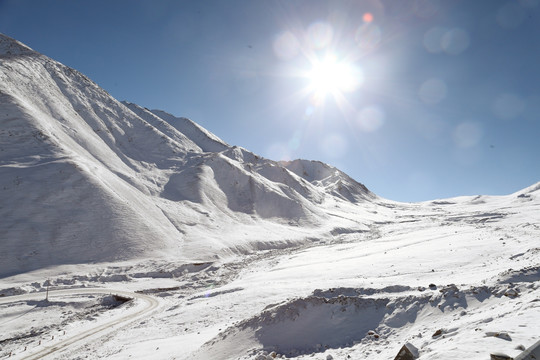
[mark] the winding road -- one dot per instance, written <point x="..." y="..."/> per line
<point x="145" y="306"/>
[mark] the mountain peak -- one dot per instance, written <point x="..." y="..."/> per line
<point x="12" y="47"/>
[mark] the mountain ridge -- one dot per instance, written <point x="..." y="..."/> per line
<point x="112" y="180"/>
<point x="89" y="179"/>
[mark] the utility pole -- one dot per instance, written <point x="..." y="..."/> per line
<point x="47" y="293"/>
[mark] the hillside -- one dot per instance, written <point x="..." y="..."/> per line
<point x="90" y="179"/>
<point x="133" y="233"/>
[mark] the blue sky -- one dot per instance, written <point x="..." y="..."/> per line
<point x="422" y="99"/>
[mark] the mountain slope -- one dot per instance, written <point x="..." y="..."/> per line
<point x="334" y="181"/>
<point x="241" y="257"/>
<point x="69" y="191"/>
<point x="86" y="178"/>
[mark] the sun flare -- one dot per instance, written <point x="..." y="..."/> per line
<point x="332" y="76"/>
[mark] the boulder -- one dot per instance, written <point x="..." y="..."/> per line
<point x="407" y="352"/>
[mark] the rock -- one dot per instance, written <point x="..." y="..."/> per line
<point x="329" y="357"/>
<point x="499" y="356"/>
<point x="432" y="286"/>
<point x="437" y="333"/>
<point x="501" y="335"/>
<point x="407" y="352"/>
<point x="512" y="293"/>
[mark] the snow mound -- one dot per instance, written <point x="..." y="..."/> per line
<point x="302" y="326"/>
<point x="315" y="324"/>
<point x="529" y="274"/>
<point x="332" y="319"/>
<point x="360" y="319"/>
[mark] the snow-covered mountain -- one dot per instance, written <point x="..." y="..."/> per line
<point x="87" y="178"/>
<point x="227" y="255"/>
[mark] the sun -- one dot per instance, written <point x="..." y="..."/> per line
<point x="333" y="76"/>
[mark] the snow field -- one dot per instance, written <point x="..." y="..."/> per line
<point x="237" y="256"/>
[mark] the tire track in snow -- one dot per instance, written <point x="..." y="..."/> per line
<point x="150" y="304"/>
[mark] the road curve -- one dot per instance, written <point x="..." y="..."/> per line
<point x="149" y="305"/>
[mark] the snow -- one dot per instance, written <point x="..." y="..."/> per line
<point x="142" y="183"/>
<point x="229" y="255"/>
<point x="333" y="180"/>
<point x="12" y="47"/>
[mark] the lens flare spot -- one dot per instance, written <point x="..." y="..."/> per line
<point x="286" y="45"/>
<point x="433" y="39"/>
<point x="370" y="119"/>
<point x="432" y="91"/>
<point x="467" y="134"/>
<point x="455" y="41"/>
<point x="368" y="17"/>
<point x="451" y="41"/>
